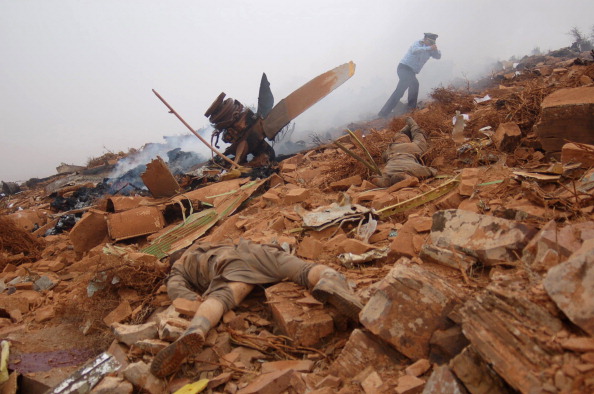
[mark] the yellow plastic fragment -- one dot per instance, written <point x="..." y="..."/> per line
<point x="193" y="388"/>
<point x="4" y="361"/>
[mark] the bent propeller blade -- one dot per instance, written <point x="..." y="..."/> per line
<point x="304" y="97"/>
<point x="265" y="97"/>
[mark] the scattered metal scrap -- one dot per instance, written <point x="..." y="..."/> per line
<point x="328" y="216"/>
<point x="349" y="260"/>
<point x="83" y="380"/>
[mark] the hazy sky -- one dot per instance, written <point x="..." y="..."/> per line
<point x="76" y="75"/>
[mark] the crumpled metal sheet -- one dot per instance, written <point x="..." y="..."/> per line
<point x="83" y="380"/>
<point x="327" y="216"/>
<point x="350" y="259"/>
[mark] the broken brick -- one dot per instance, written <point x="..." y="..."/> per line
<point x="119" y="314"/>
<point x="296" y="195"/>
<point x="574" y="153"/>
<point x="45" y="313"/>
<point x="297" y="365"/>
<point x="418" y="368"/>
<point x="409" y="305"/>
<point x="305" y="326"/>
<point x="310" y="248"/>
<point x="443" y="381"/>
<point x="186" y="307"/>
<point x="409" y="385"/>
<point x="130" y="334"/>
<point x="507" y="137"/>
<point x="345" y="183"/>
<point x="353" y="246"/>
<point x="469" y="178"/>
<point x="269" y="383"/>
<point x="566" y="114"/>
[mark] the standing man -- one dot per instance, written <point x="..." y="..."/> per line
<point x="408" y="68"/>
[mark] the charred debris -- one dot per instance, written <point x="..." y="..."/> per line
<point x="476" y="280"/>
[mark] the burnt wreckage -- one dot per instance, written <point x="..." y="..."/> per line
<point x="246" y="131"/>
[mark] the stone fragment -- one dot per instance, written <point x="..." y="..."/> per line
<point x="345" y="183"/>
<point x="446" y="344"/>
<point x="554" y="244"/>
<point x="269" y="383"/>
<point x="139" y="375"/>
<point x="566" y="114"/>
<point x="130" y="334"/>
<point x="119" y="352"/>
<point x="507" y="137"/>
<point x="186" y="307"/>
<point x="152" y="346"/>
<point x="372" y="383"/>
<point x="474" y="373"/>
<point x="409" y="385"/>
<point x="297" y="365"/>
<point x="573" y="153"/>
<point x="361" y="351"/>
<point x="443" y="381"/>
<point x="119" y="314"/>
<point x="468" y="180"/>
<point x="219" y="380"/>
<point x="170" y="332"/>
<point x="45" y="313"/>
<point x="113" y="385"/>
<point x="306" y="326"/>
<point x="448" y="257"/>
<point x="418" y="368"/>
<point x="354" y="246"/>
<point x="409" y="304"/>
<point x="329" y="381"/>
<point x="296" y="195"/>
<point x="310" y="248"/>
<point x="489" y="239"/>
<point x="571" y="286"/>
<point x="45" y="283"/>
<point x="579" y="344"/>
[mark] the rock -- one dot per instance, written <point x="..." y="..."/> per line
<point x="296" y="195"/>
<point x="170" y="332"/>
<point x="489" y="239"/>
<point x="310" y="248"/>
<point x="573" y="153"/>
<point x="553" y="244"/>
<point x="474" y="373"/>
<point x="468" y="180"/>
<point x="449" y="258"/>
<point x="409" y="385"/>
<point x="45" y="313"/>
<point x="45" y="283"/>
<point x="507" y="137"/>
<point x="353" y="246"/>
<point x="566" y="114"/>
<point x="409" y="304"/>
<point x="113" y="385"/>
<point x="152" y="346"/>
<point x="297" y="365"/>
<point x="306" y="326"/>
<point x="269" y="383"/>
<point x="418" y="368"/>
<point x="329" y="381"/>
<point x="372" y="383"/>
<point x="361" y="351"/>
<point x="139" y="375"/>
<point x="443" y="381"/>
<point x="571" y="286"/>
<point x="119" y="314"/>
<point x="446" y="344"/>
<point x="130" y="334"/>
<point x="345" y="183"/>
<point x="186" y="307"/>
<point x="581" y="344"/>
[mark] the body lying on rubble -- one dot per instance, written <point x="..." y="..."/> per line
<point x="403" y="156"/>
<point x="226" y="274"/>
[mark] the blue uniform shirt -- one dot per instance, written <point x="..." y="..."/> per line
<point x="418" y="54"/>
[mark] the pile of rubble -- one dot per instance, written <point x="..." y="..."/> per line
<point x="480" y="279"/>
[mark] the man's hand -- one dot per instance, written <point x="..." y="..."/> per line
<point x="434" y="47"/>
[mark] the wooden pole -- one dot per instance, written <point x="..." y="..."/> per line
<point x="212" y="148"/>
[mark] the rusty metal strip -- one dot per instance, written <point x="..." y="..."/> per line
<point x="420" y="199"/>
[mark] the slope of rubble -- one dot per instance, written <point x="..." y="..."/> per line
<point x="480" y="279"/>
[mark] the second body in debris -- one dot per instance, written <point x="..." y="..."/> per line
<point x="403" y="156"/>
